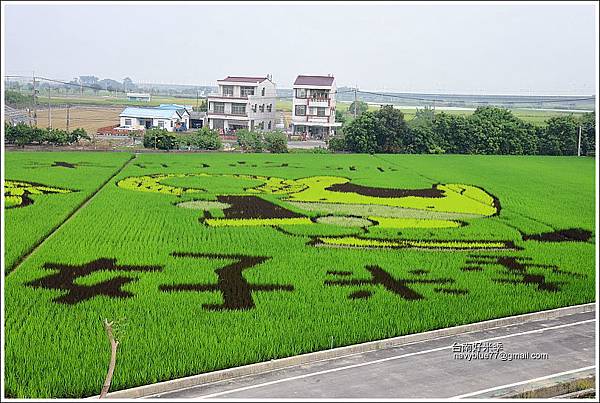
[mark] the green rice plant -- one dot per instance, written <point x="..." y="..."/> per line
<point x="42" y="189"/>
<point x="140" y="255"/>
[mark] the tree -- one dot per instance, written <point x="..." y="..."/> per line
<point x="392" y="134"/>
<point x="360" y="106"/>
<point x="78" y="134"/>
<point x="588" y="133"/>
<point x="160" y="139"/>
<point x="560" y="136"/>
<point x="360" y="134"/>
<point x="207" y="139"/>
<point x="56" y="137"/>
<point x="250" y="140"/>
<point x="128" y="84"/>
<point x="88" y="80"/>
<point x="276" y="142"/>
<point x="16" y="99"/>
<point x="337" y="143"/>
<point x="202" y="107"/>
<point x="340" y="116"/>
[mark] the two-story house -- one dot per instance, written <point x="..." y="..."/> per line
<point x="242" y="103"/>
<point x="313" y="107"/>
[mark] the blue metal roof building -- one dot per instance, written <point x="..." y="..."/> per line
<point x="148" y="113"/>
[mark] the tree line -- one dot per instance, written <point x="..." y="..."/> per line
<point x="489" y="130"/>
<point x="22" y="135"/>
<point x="207" y="139"/>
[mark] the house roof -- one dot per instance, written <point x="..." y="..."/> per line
<point x="244" y="79"/>
<point x="314" y="80"/>
<point x="158" y="113"/>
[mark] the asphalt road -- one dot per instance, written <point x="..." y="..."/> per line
<point x="427" y="369"/>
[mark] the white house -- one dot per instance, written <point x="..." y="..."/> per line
<point x="136" y="96"/>
<point x="167" y="116"/>
<point x="313" y="107"/>
<point x="242" y="103"/>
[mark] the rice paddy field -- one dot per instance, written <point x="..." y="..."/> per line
<point x="210" y="261"/>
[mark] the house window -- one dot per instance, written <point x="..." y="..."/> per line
<point x="161" y="124"/>
<point x="319" y="94"/>
<point x="261" y="108"/>
<point x="320" y="111"/>
<point x="254" y="108"/>
<point x="228" y="90"/>
<point x="219" y="107"/>
<point x="238" y="109"/>
<point x="263" y="92"/>
<point x="269" y="107"/>
<point x="300" y="110"/>
<point x="127" y="122"/>
<point x="269" y="125"/>
<point x="300" y="92"/>
<point x="171" y="123"/>
<point x="245" y="91"/>
<point x="300" y="129"/>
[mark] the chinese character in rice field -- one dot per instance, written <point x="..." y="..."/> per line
<point x="382" y="279"/>
<point x="17" y="193"/>
<point x="234" y="288"/>
<point x="65" y="276"/>
<point x="518" y="269"/>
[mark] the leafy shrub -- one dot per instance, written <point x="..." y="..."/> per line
<point x="250" y="140"/>
<point x="276" y="142"/>
<point x="160" y="139"/>
<point x="337" y="143"/>
<point x="22" y="135"/>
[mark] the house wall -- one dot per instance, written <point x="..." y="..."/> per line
<point x="256" y="118"/>
<point x="139" y="123"/>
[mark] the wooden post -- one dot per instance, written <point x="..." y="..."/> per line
<point x="113" y="358"/>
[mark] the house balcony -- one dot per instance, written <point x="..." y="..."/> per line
<point x="223" y="97"/>
<point x="227" y="115"/>
<point x="317" y="119"/>
<point x="319" y="102"/>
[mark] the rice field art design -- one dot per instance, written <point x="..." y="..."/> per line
<point x="333" y="201"/>
<point x="218" y="260"/>
<point x="18" y="193"/>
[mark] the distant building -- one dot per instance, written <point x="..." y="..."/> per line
<point x="166" y="116"/>
<point x="197" y="119"/>
<point x="137" y="96"/>
<point x="313" y="107"/>
<point x="242" y="103"/>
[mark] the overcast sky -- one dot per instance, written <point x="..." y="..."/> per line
<point x="499" y="49"/>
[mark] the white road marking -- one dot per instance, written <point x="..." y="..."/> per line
<point x="541" y="378"/>
<point x="292" y="378"/>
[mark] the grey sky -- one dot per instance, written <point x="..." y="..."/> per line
<point x="517" y="49"/>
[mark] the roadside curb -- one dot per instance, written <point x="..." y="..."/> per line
<point x="252" y="369"/>
<point x="559" y="387"/>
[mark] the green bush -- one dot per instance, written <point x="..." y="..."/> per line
<point x="160" y="139"/>
<point x="276" y="141"/>
<point x="250" y="140"/>
<point x="207" y="139"/>
<point x="22" y="135"/>
<point x="337" y="143"/>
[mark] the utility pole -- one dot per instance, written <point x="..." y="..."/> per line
<point x="579" y="142"/>
<point x="49" y="110"/>
<point x="68" y="109"/>
<point x="197" y="98"/>
<point x="34" y="102"/>
<point x="355" y="101"/>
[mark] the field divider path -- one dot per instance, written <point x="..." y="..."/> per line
<point x="55" y="229"/>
